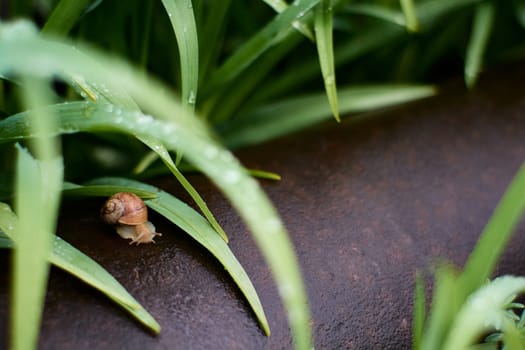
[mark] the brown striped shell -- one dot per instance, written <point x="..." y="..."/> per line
<point x="124" y="208"/>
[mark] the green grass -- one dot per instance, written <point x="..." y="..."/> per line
<point x="183" y="90"/>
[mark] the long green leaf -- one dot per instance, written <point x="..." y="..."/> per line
<point x="377" y="11"/>
<point x="182" y="20"/>
<point x="482" y="27"/>
<point x="323" y="23"/>
<point x="445" y="303"/>
<point x="199" y="229"/>
<point x="64" y="16"/>
<point x="281" y="5"/>
<point x="484" y="311"/>
<point x="495" y="235"/>
<point x="418" y="319"/>
<point x="270" y="35"/>
<point x="70" y="259"/>
<point x="281" y="118"/>
<point x="409" y="10"/>
<point x="36" y="200"/>
<point x="170" y="164"/>
<point x="73" y="190"/>
<point x="30" y="267"/>
<point x="212" y="35"/>
<point x="453" y="291"/>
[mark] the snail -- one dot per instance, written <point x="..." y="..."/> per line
<point x="128" y="213"/>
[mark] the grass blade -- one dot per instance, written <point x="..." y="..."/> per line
<point x="453" y="292"/>
<point x="495" y="235"/>
<point x="70" y="259"/>
<point x="73" y="190"/>
<point x="445" y="303"/>
<point x="270" y="35"/>
<point x="418" y="321"/>
<point x="484" y="311"/>
<point x="36" y="200"/>
<point x="212" y="34"/>
<point x="64" y="16"/>
<point x="281" y="5"/>
<point x="377" y="11"/>
<point x="30" y="266"/>
<point x="323" y="23"/>
<point x="182" y="21"/>
<point x="409" y="10"/>
<point x="281" y="118"/>
<point x="180" y="132"/>
<point x="170" y="164"/>
<point x="482" y="27"/>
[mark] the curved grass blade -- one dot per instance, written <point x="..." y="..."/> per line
<point x="270" y="35"/>
<point x="182" y="21"/>
<point x="199" y="229"/>
<point x="294" y="114"/>
<point x="453" y="290"/>
<point x="74" y="190"/>
<point x="323" y="23"/>
<point x="418" y="319"/>
<point x="70" y="259"/>
<point x="30" y="267"/>
<point x="409" y="10"/>
<point x="225" y="105"/>
<point x="64" y="16"/>
<point x="36" y="201"/>
<point x="170" y="164"/>
<point x="281" y="5"/>
<point x="495" y="235"/>
<point x="485" y="311"/>
<point x="220" y="165"/>
<point x="212" y="35"/>
<point x="483" y="21"/>
<point x="377" y="11"/>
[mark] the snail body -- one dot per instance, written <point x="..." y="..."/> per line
<point x="128" y="213"/>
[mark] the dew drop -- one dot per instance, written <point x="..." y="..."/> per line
<point x="232" y="176"/>
<point x="329" y="79"/>
<point x="227" y="156"/>
<point x="274" y="225"/>
<point x="192" y="97"/>
<point x="211" y="152"/>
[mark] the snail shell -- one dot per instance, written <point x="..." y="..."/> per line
<point x="124" y="208"/>
<point x="129" y="214"/>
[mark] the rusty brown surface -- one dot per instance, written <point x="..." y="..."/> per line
<point x="366" y="205"/>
